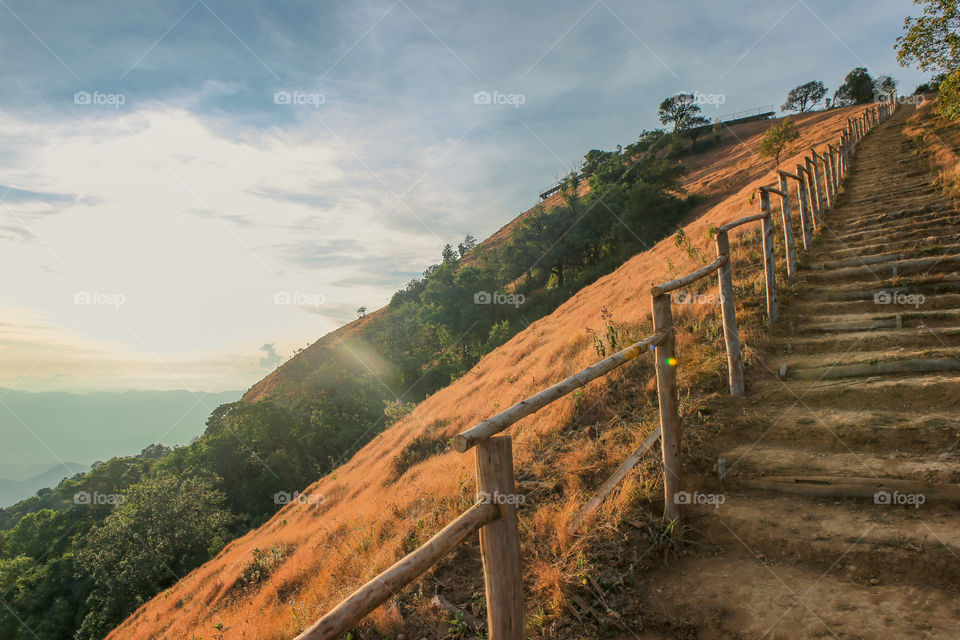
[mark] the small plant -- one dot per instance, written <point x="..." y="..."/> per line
<point x="682" y="242"/>
<point x="263" y="564"/>
<point x="220" y="631"/>
<point x="458" y="626"/>
<point x="395" y="410"/>
<point x="610" y="340"/>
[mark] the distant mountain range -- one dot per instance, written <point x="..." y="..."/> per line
<point x="15" y="490"/>
<point x="42" y="431"/>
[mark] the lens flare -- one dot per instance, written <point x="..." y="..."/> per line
<point x="672" y="362"/>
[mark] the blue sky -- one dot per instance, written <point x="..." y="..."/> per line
<point x="184" y="183"/>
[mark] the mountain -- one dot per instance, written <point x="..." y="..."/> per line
<point x="12" y="491"/>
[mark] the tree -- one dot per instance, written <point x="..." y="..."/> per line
<point x="884" y="86"/>
<point x="167" y="527"/>
<point x="468" y="244"/>
<point x="932" y="42"/>
<point x="857" y="88"/>
<point x="777" y="138"/>
<point x="806" y="96"/>
<point x="932" y="85"/>
<point x="948" y="102"/>
<point x="683" y="112"/>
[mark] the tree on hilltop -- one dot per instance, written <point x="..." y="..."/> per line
<point x="884" y="86"/>
<point x="683" y="112"/>
<point x="804" y="97"/>
<point x="857" y="88"/>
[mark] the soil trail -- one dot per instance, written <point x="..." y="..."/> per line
<point x="861" y="390"/>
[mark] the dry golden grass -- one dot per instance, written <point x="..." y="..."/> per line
<point x="940" y="140"/>
<point x="369" y="518"/>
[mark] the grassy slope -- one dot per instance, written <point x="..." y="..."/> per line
<point x="360" y="520"/>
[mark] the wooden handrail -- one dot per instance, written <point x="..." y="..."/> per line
<point x="702" y="272"/>
<point x="788" y="174"/>
<point x="492" y="426"/>
<point x="742" y="221"/>
<point x="773" y="190"/>
<point x="381" y="588"/>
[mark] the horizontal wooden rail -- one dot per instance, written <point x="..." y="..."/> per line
<point x="703" y="272"/>
<point x="492" y="426"/>
<point x="380" y="589"/>
<point x="788" y="174"/>
<point x="743" y="221"/>
<point x="773" y="190"/>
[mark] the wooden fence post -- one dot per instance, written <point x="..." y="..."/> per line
<point x="812" y="192"/>
<point x="806" y="217"/>
<point x="834" y="169"/>
<point x="769" y="264"/>
<point x="824" y="167"/>
<point x="669" y="414"/>
<point x="840" y="159"/>
<point x="818" y="188"/>
<point x="728" y="312"/>
<point x="500" y="540"/>
<point x="789" y="249"/>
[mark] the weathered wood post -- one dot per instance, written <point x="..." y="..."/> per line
<point x="812" y="189"/>
<point x="818" y="183"/>
<point x="728" y="311"/>
<point x="806" y="217"/>
<point x="666" y="363"/>
<point x="827" y="179"/>
<point x="824" y="167"/>
<point x="834" y="168"/>
<point x="789" y="249"/>
<point x="844" y="160"/>
<point x="500" y="540"/>
<point x="769" y="264"/>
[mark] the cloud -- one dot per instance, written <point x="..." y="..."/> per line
<point x="270" y="358"/>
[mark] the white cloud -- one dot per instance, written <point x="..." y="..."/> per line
<point x="196" y="233"/>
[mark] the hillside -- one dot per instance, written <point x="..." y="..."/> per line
<point x="713" y="174"/>
<point x="391" y="495"/>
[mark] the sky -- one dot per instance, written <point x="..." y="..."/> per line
<point x="190" y="190"/>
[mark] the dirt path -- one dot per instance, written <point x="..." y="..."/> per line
<point x="879" y="293"/>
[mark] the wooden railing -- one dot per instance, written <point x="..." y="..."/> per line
<point x="494" y="515"/>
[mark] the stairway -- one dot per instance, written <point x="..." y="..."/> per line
<point x="840" y="514"/>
